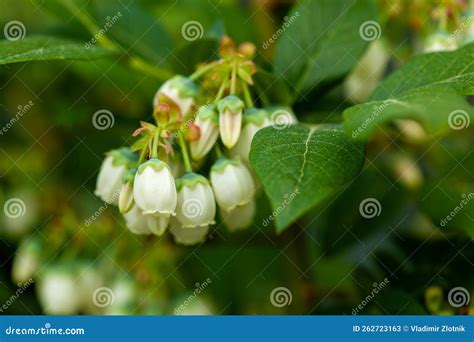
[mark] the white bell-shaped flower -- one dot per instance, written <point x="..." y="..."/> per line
<point x="27" y="260"/>
<point x="240" y="217"/>
<point x="232" y="183"/>
<point x="188" y="236"/>
<point x="157" y="224"/>
<point x="125" y="202"/>
<point x="230" y="119"/>
<point x="154" y="189"/>
<point x="254" y="120"/>
<point x="58" y="291"/>
<point x="207" y="121"/>
<point x="196" y="204"/>
<point x="113" y="168"/>
<point x="136" y="222"/>
<point x="181" y="90"/>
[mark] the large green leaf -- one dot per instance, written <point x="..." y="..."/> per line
<point x="301" y="167"/>
<point x="321" y="41"/>
<point x="47" y="48"/>
<point x="430" y="89"/>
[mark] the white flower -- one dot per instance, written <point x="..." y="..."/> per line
<point x="196" y="205"/>
<point x="207" y="121"/>
<point x="157" y="224"/>
<point x="240" y="217"/>
<point x="136" y="222"/>
<point x="254" y="120"/>
<point x="232" y="183"/>
<point x="188" y="236"/>
<point x="123" y="299"/>
<point x="57" y="292"/>
<point x="125" y="202"/>
<point x="27" y="260"/>
<point x="230" y="119"/>
<point x="154" y="189"/>
<point x="181" y="90"/>
<point x="111" y="172"/>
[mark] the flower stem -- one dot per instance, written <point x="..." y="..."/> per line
<point x="142" y="157"/>
<point x="184" y="152"/>
<point x="220" y="92"/>
<point x="247" y="96"/>
<point x="202" y="70"/>
<point x="156" y="138"/>
<point x="233" y="81"/>
<point x="218" y="151"/>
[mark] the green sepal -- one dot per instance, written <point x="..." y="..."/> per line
<point x="190" y="180"/>
<point x="222" y="163"/>
<point x="208" y="112"/>
<point x="256" y="116"/>
<point x="232" y="103"/>
<point x="123" y="156"/>
<point x="154" y="163"/>
<point x="186" y="87"/>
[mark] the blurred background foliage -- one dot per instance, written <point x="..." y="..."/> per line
<point x="50" y="159"/>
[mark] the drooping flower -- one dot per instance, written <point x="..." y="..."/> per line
<point x="188" y="236"/>
<point x="154" y="188"/>
<point x="57" y="291"/>
<point x="232" y="183"/>
<point x="157" y="224"/>
<point x="240" y="217"/>
<point x="125" y="202"/>
<point x="113" y="168"/>
<point x="253" y="120"/>
<point x="230" y="119"/>
<point x="181" y="90"/>
<point x="196" y="205"/>
<point x="136" y="222"/>
<point x="207" y="121"/>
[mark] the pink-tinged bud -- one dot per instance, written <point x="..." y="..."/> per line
<point x="180" y="90"/>
<point x="232" y="183"/>
<point x="207" y="121"/>
<point x="230" y="119"/>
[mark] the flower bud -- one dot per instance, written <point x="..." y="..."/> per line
<point x="154" y="189"/>
<point x="188" y="236"/>
<point x="232" y="183"/>
<point x="254" y="120"/>
<point x="181" y="90"/>
<point x="196" y="205"/>
<point x="230" y="119"/>
<point x="109" y="181"/>
<point x="136" y="222"/>
<point x="27" y="260"/>
<point x="157" y="224"/>
<point x="207" y="121"/>
<point x="126" y="192"/>
<point x="240" y="217"/>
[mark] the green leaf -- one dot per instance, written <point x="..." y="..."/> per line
<point x="430" y="89"/>
<point x="137" y="31"/>
<point x="301" y="167"/>
<point x="48" y="48"/>
<point x="321" y="41"/>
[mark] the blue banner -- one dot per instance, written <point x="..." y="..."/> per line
<point x="237" y="328"/>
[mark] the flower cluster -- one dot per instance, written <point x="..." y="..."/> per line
<point x="156" y="183"/>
